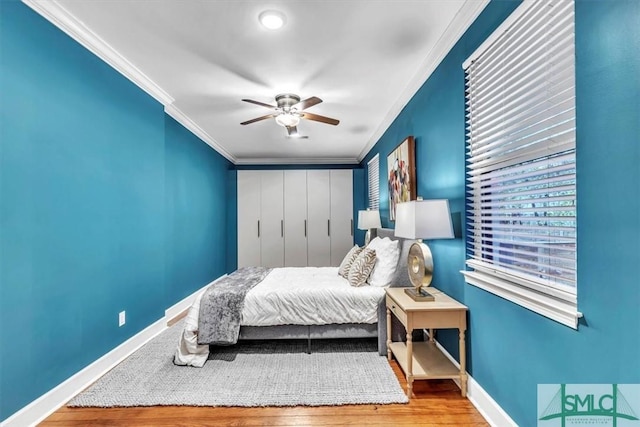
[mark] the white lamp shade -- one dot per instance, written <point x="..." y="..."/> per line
<point x="368" y="220"/>
<point x="424" y="219"/>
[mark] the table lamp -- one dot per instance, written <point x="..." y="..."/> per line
<point x="366" y="221"/>
<point x="422" y="219"/>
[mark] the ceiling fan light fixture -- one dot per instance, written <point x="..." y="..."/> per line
<point x="288" y="120"/>
<point x="288" y="112"/>
<point x="272" y="19"/>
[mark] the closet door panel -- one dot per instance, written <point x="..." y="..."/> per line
<point x="248" y="218"/>
<point x="295" y="218"/>
<point x="341" y="214"/>
<point x="272" y="218"/>
<point x="318" y="217"/>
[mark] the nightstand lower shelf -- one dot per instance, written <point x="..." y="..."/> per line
<point x="424" y="360"/>
<point x="428" y="361"/>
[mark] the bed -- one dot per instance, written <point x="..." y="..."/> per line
<point x="300" y="303"/>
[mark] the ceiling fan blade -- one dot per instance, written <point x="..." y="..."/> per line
<point x="317" y="118"/>
<point x="257" y="119"/>
<point x="262" y="104"/>
<point x="306" y="103"/>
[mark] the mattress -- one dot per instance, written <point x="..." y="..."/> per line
<point x="309" y="296"/>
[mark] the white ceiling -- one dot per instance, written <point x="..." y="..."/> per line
<point x="364" y="58"/>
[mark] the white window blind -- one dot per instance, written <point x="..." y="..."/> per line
<point x="521" y="165"/>
<point x="373" y="179"/>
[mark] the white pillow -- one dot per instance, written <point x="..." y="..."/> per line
<point x="387" y="255"/>
<point x="374" y="242"/>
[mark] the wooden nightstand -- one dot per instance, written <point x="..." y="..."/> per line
<point x="423" y="360"/>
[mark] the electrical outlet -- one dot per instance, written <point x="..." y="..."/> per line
<point x="122" y="319"/>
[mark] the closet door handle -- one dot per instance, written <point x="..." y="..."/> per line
<point x="258" y="228"/>
<point x="281" y="228"/>
<point x="328" y="227"/>
<point x="352" y="226"/>
<point x="305" y="228"/>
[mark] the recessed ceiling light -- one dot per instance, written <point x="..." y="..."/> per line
<point x="272" y="19"/>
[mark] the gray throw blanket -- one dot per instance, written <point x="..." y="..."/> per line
<point x="221" y="306"/>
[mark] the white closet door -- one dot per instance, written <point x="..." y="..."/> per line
<point x="248" y="218"/>
<point x="341" y="214"/>
<point x="318" y="217"/>
<point x="272" y="219"/>
<point x="295" y="218"/>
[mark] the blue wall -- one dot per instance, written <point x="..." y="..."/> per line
<point x="197" y="202"/>
<point x="232" y="220"/>
<point x="511" y="349"/>
<point x="359" y="202"/>
<point x="106" y="204"/>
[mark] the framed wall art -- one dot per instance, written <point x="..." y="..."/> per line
<point x="401" y="169"/>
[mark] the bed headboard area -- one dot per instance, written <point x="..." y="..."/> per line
<point x="401" y="279"/>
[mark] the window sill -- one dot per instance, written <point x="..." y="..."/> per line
<point x="560" y="310"/>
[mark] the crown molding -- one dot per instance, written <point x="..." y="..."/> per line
<point x="297" y="161"/>
<point x="463" y="19"/>
<point x="65" y="21"/>
<point x="186" y="121"/>
<point x="499" y="32"/>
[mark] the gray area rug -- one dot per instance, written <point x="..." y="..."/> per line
<point x="251" y="373"/>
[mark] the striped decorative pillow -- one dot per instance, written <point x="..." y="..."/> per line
<point x="362" y="267"/>
<point x="348" y="260"/>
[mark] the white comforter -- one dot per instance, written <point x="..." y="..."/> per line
<point x="309" y="296"/>
<point x="290" y="296"/>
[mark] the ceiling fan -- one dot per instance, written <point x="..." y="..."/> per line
<point x="289" y="111"/>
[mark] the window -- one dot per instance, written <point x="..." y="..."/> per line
<point x="373" y="179"/>
<point x="521" y="164"/>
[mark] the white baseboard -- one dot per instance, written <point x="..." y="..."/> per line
<point x="48" y="403"/>
<point x="176" y="309"/>
<point x="488" y="408"/>
<point x="484" y="403"/>
<point x="45" y="405"/>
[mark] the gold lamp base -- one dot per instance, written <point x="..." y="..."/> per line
<point x="419" y="295"/>
<point x="420" y="265"/>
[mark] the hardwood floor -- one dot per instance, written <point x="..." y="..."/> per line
<point x="435" y="403"/>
